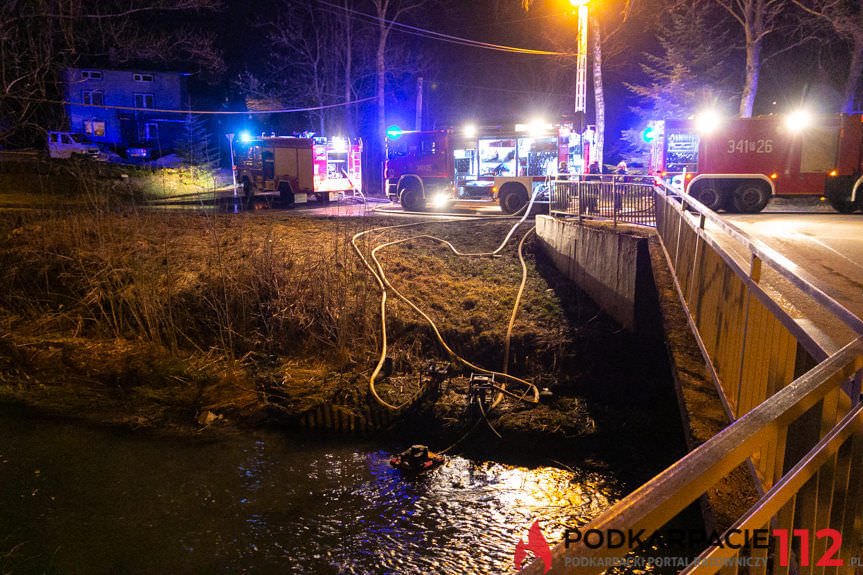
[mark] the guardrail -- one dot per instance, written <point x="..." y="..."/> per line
<point x="752" y="345"/>
<point x="803" y="438"/>
<point x="818" y="490"/>
<point x="627" y="199"/>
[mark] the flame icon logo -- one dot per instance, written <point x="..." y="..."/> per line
<point x="537" y="544"/>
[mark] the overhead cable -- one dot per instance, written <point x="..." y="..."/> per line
<point x="210" y="112"/>
<point x="431" y="34"/>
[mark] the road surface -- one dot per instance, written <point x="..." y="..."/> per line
<point x="828" y="246"/>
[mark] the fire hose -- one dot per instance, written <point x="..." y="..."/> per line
<point x="383" y="284"/>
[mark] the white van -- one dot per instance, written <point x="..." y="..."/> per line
<point x="67" y="144"/>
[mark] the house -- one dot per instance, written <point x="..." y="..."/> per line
<point x="130" y="128"/>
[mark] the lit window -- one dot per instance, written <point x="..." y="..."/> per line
<point x="92" y="97"/>
<point x="148" y="132"/>
<point x="142" y="77"/>
<point x="94" y="128"/>
<point x="91" y="75"/>
<point x="144" y="100"/>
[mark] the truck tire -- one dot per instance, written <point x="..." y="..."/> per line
<point x="286" y="195"/>
<point x="512" y="198"/>
<point x="839" y="195"/>
<point x="709" y="194"/>
<point x="411" y="196"/>
<point x="750" y="197"/>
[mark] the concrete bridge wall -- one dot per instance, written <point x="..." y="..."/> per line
<point x="611" y="265"/>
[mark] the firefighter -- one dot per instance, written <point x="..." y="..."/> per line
<point x="620" y="176"/>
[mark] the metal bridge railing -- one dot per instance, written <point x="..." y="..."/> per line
<point x="798" y="422"/>
<point x="817" y="490"/>
<point x="752" y="345"/>
<point x="627" y="199"/>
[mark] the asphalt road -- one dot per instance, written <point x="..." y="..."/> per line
<point x="828" y="246"/>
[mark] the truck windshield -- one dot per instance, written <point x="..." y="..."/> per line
<point x="496" y="157"/>
<point x="396" y="148"/>
<point x="537" y="156"/>
<point x="78" y="138"/>
<point x="681" y="152"/>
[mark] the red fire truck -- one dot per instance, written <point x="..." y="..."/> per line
<point x="738" y="164"/>
<point x="299" y="169"/>
<point x="498" y="163"/>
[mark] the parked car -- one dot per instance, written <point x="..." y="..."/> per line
<point x="67" y="144"/>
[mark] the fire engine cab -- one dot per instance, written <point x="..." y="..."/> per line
<point x="739" y="163"/>
<point x="493" y="163"/>
<point x="299" y="170"/>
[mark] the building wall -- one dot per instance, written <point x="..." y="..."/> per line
<point x="127" y="128"/>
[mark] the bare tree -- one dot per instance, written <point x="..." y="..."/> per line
<point x="388" y="12"/>
<point x="39" y="39"/>
<point x="758" y="19"/>
<point x="304" y="45"/>
<point x="844" y="17"/>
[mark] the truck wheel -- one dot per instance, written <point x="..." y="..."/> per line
<point x="839" y="197"/>
<point x="709" y="194"/>
<point x="750" y="197"/>
<point x="412" y="197"/>
<point x="512" y="198"/>
<point x="286" y="195"/>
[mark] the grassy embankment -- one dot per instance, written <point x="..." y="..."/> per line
<point x="167" y="320"/>
<point x="156" y="319"/>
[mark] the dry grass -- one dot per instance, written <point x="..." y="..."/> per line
<point x="160" y="317"/>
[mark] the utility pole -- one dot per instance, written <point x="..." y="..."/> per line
<point x="419" y="123"/>
<point x="581" y="73"/>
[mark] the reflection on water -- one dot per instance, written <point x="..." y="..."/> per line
<point x="77" y="500"/>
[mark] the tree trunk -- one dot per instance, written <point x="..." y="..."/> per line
<point x="855" y="72"/>
<point x="598" y="94"/>
<point x="348" y="80"/>
<point x="380" y="137"/>
<point x="753" y="68"/>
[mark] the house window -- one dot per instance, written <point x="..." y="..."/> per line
<point x="142" y="77"/>
<point x="148" y="132"/>
<point x="91" y="75"/>
<point x="94" y="128"/>
<point x="92" y="97"/>
<point x="143" y="100"/>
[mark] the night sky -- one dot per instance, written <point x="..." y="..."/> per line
<point x="470" y="84"/>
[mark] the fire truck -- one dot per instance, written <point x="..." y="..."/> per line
<point x="493" y="163"/>
<point x="300" y="170"/>
<point x="739" y="164"/>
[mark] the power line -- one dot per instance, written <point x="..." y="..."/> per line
<point x="480" y="87"/>
<point x="210" y="112"/>
<point x="431" y="34"/>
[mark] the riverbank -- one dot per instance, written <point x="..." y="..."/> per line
<point x="196" y="323"/>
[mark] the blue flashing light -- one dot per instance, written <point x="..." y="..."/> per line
<point x="245" y="137"/>
<point x="394" y="132"/>
<point x="648" y="134"/>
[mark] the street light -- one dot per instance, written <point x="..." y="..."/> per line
<point x="581" y="71"/>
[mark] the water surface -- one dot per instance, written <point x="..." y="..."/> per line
<point x="76" y="499"/>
